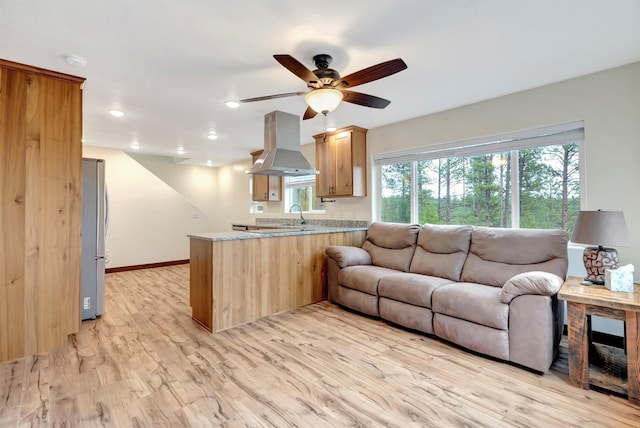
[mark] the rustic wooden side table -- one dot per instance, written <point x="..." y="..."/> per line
<point x="584" y="300"/>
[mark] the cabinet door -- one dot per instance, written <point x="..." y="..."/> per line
<point x="341" y="160"/>
<point x="343" y="165"/>
<point x="260" y="187"/>
<point x="274" y="184"/>
<point x="325" y="180"/>
<point x="265" y="187"/>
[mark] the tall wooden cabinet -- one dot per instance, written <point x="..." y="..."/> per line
<point x="40" y="208"/>
<point x="342" y="161"/>
<point x="265" y="187"/>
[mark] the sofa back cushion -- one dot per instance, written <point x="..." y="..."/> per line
<point x="441" y="251"/>
<point x="498" y="254"/>
<point x="391" y="245"/>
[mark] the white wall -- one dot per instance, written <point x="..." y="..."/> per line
<point x="196" y="184"/>
<point x="149" y="221"/>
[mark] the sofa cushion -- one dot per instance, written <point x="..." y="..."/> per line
<point x="441" y="250"/>
<point x="391" y="245"/>
<point x="542" y="283"/>
<point x="348" y="256"/>
<point x="410" y="288"/>
<point x="363" y="278"/>
<point x="495" y="255"/>
<point x="477" y="303"/>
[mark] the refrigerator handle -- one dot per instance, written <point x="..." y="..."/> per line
<point x="100" y="230"/>
<point x="106" y="209"/>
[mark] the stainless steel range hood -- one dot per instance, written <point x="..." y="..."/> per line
<point x="281" y="154"/>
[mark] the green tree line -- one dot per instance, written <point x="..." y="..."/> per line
<point x="478" y="189"/>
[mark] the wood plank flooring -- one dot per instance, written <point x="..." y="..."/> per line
<point x="146" y="363"/>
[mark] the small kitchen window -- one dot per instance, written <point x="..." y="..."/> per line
<point x="301" y="190"/>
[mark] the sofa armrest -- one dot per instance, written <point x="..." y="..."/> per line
<point x="535" y="282"/>
<point x="348" y="256"/>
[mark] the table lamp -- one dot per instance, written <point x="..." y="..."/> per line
<point x="606" y="229"/>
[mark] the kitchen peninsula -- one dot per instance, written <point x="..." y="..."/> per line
<point x="238" y="277"/>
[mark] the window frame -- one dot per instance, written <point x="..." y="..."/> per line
<point x="302" y="182"/>
<point x="566" y="133"/>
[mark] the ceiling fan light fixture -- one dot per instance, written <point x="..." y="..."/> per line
<point x="232" y="103"/>
<point x="323" y="100"/>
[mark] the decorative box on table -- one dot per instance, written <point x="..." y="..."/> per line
<point x="620" y="279"/>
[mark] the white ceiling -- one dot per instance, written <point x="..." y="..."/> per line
<point x="170" y="65"/>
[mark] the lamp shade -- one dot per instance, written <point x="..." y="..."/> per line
<point x="605" y="228"/>
<point x="323" y="100"/>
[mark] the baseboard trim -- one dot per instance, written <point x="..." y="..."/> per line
<point x="146" y="266"/>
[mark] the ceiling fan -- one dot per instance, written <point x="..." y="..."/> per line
<point x="328" y="89"/>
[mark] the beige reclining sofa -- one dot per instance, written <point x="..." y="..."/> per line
<point x="490" y="290"/>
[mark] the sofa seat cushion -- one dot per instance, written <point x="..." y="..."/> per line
<point x="410" y="288"/>
<point x="363" y="278"/>
<point x="473" y="302"/>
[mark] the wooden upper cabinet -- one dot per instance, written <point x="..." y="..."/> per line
<point x="40" y="208"/>
<point x="265" y="187"/>
<point x="342" y="161"/>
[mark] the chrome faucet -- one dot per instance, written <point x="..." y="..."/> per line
<point x="302" y="220"/>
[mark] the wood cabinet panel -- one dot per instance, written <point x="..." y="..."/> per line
<point x="254" y="278"/>
<point x="200" y="272"/>
<point x="341" y="160"/>
<point x="40" y="209"/>
<point x="265" y="187"/>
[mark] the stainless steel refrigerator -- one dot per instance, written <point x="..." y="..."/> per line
<point x="94" y="221"/>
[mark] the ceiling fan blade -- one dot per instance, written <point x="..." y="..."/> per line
<point x="364" y="99"/>
<point x="309" y="114"/>
<point x="270" y="97"/>
<point x="294" y="66"/>
<point x="372" y="73"/>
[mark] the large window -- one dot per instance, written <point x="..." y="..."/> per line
<point x="533" y="184"/>
<point x="301" y="190"/>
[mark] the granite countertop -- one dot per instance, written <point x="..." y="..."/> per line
<point x="308" y="229"/>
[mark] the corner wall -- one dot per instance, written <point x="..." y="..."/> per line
<point x="148" y="219"/>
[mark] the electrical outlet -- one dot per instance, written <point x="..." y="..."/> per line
<point x="87" y="303"/>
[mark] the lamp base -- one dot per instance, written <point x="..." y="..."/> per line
<point x="596" y="260"/>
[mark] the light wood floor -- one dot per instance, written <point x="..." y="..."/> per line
<point x="145" y="363"/>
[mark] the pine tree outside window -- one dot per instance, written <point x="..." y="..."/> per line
<point x="528" y="181"/>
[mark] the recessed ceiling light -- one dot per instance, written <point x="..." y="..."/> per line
<point x="212" y="136"/>
<point x="331" y="128"/>
<point x="232" y="103"/>
<point x="209" y="163"/>
<point x="116" y="113"/>
<point x="135" y="145"/>
<point x="180" y="150"/>
<point x="75" y="60"/>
